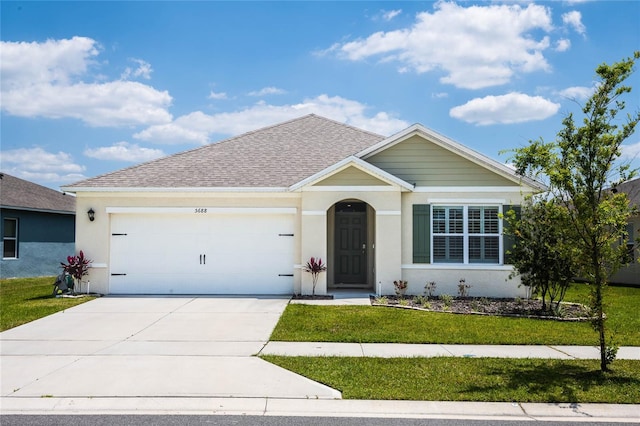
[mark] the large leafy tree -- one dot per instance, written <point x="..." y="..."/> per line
<point x="580" y="166"/>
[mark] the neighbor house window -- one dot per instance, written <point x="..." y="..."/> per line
<point x="631" y="244"/>
<point x="10" y="239"/>
<point x="466" y="234"/>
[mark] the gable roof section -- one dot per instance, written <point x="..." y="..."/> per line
<point x="19" y="194"/>
<point x="352" y="162"/>
<point x="273" y="157"/>
<point x="453" y="147"/>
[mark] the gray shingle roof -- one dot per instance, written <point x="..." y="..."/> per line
<point x="276" y="156"/>
<point x="21" y="194"/>
<point x="632" y="189"/>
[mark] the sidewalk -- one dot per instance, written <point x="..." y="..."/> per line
<point x="400" y="350"/>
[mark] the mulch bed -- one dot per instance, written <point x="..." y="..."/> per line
<point x="526" y="308"/>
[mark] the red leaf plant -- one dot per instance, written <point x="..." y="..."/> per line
<point x="314" y="267"/>
<point x="76" y="266"/>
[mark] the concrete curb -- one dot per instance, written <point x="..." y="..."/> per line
<point x="323" y="408"/>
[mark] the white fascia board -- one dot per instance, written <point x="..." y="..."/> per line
<point x="467" y="201"/>
<point x="473" y="189"/>
<point x="181" y="190"/>
<point x="359" y="164"/>
<point x="33" y="209"/>
<point x="387" y="188"/>
<point x="453" y="146"/>
<point x="201" y="211"/>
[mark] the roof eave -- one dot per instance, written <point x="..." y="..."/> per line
<point x="190" y="189"/>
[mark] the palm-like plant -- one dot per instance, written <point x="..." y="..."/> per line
<point x="76" y="266"/>
<point x="314" y="267"/>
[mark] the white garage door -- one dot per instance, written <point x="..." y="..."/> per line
<point x="207" y="252"/>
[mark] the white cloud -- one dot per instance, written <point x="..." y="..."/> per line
<point x="573" y="19"/>
<point x="631" y="151"/>
<point x="124" y="151"/>
<point x="48" y="80"/>
<point x="388" y="15"/>
<point x="439" y="95"/>
<point x="505" y="109"/>
<point x="268" y="91"/>
<point x="577" y="92"/>
<point x="563" y="45"/>
<point x="36" y="164"/>
<point x="197" y="127"/>
<point x="475" y="46"/>
<point x="217" y="96"/>
<point x="144" y="70"/>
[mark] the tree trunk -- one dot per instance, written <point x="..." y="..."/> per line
<point x="599" y="282"/>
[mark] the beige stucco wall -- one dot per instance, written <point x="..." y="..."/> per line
<point x="486" y="280"/>
<point x="316" y="205"/>
<point x="94" y="237"/>
<point x="390" y="220"/>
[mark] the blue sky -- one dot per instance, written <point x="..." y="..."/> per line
<point x="92" y="87"/>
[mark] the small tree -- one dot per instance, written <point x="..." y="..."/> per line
<point x="314" y="266"/>
<point x="543" y="255"/>
<point x="579" y="167"/>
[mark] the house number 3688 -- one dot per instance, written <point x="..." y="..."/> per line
<point x="200" y="210"/>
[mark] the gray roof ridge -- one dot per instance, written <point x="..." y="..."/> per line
<point x="345" y="125"/>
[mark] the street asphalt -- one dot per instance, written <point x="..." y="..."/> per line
<point x="196" y="355"/>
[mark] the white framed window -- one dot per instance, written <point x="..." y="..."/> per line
<point x="10" y="238"/>
<point x="466" y="234"/>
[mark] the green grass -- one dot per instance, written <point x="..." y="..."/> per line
<point x="465" y="379"/>
<point x="309" y="323"/>
<point x="26" y="299"/>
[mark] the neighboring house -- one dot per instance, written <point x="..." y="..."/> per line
<point x="38" y="228"/>
<point x="631" y="274"/>
<point x="243" y="215"/>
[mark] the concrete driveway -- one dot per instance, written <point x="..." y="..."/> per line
<point x="151" y="347"/>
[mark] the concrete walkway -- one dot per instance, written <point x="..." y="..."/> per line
<point x="399" y="350"/>
<point x="195" y="355"/>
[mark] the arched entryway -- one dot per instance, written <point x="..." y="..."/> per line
<point x="351" y="245"/>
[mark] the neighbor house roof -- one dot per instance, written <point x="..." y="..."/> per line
<point x="276" y="156"/>
<point x="632" y="189"/>
<point x="19" y="194"/>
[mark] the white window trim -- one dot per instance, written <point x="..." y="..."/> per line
<point x="465" y="233"/>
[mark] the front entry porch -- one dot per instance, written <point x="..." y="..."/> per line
<point x="351" y="245"/>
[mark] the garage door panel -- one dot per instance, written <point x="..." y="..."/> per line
<point x="202" y="254"/>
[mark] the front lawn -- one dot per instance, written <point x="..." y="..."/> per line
<point x="309" y="323"/>
<point x="26" y="299"/>
<point x="466" y="379"/>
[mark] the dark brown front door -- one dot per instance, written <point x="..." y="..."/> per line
<point x="351" y="240"/>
